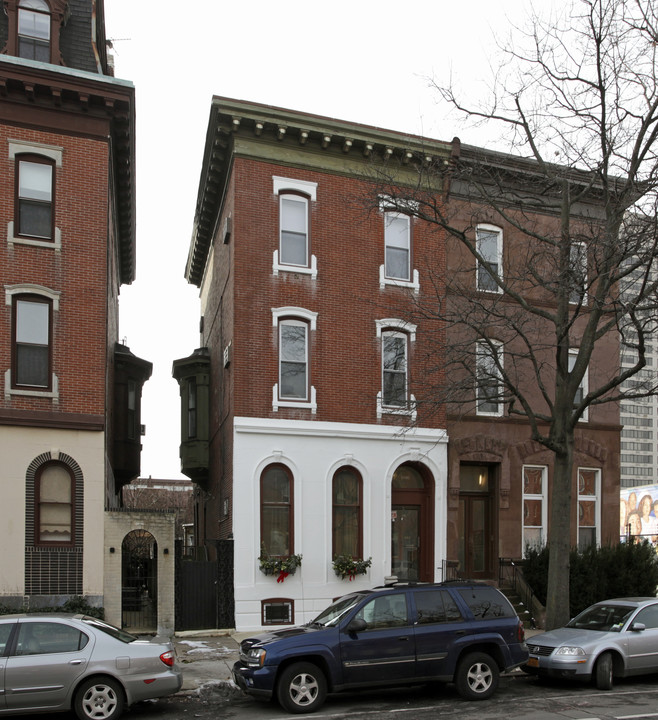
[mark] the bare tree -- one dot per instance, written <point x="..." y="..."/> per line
<point x="578" y="101"/>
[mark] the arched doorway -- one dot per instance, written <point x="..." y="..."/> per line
<point x="412" y="523"/>
<point x="139" y="582"/>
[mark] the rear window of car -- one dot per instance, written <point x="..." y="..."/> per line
<point x="114" y="632"/>
<point x="487" y="602"/>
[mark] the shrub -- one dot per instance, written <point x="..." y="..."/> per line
<point x="75" y="605"/>
<point x="623" y="570"/>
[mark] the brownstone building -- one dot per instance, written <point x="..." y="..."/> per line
<point x="70" y="401"/>
<point x="308" y="424"/>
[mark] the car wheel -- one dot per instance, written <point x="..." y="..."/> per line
<point x="604" y="672"/>
<point x="99" y="699"/>
<point x="477" y="676"/>
<point x="302" y="688"/>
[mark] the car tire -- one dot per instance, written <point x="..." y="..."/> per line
<point x="604" y="672"/>
<point x="477" y="676"/>
<point x="99" y="699"/>
<point x="302" y="688"/>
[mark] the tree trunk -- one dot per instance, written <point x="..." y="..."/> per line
<point x="559" y="540"/>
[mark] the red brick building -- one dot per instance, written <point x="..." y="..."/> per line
<point x="308" y="422"/>
<point x="70" y="400"/>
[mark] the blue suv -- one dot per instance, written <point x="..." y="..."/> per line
<point x="462" y="632"/>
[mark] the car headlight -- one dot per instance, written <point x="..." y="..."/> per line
<point x="570" y="650"/>
<point x="256" y="657"/>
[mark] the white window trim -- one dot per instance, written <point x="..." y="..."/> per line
<point x="409" y="411"/>
<point x="18" y="147"/>
<point x="396" y="324"/>
<point x="52" y="394"/>
<point x="32" y="289"/>
<point x="544" y="504"/>
<point x="584" y="385"/>
<point x="281" y="184"/>
<point x="52" y="152"/>
<point x="293" y="312"/>
<point x="277" y="267"/>
<point x="597" y="500"/>
<point x="413" y="285"/>
<point x="485" y="413"/>
<point x="277" y="403"/>
<point x="499" y="255"/>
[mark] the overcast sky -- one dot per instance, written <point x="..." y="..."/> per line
<point x="356" y="60"/>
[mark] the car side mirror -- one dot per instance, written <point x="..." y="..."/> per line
<point x="638" y="627"/>
<point x="357" y="625"/>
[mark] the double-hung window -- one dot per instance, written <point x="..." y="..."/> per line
<point x="54" y="504"/>
<point x="34" y="30"/>
<point x="534" y="507"/>
<point x="489" y="246"/>
<point x="32" y="341"/>
<point x="394" y="369"/>
<point x="276" y="511"/>
<point x="347" y="513"/>
<point x="589" y="488"/>
<point x="583" y="388"/>
<point x="577" y="273"/>
<point x="35" y="194"/>
<point x="293" y="359"/>
<point x="293" y="238"/>
<point x="489" y="358"/>
<point x="397" y="241"/>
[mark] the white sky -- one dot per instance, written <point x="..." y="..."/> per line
<point x="364" y="61"/>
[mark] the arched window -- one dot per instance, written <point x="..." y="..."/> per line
<point x="276" y="511"/>
<point x="347" y="513"/>
<point x="34" y="30"/>
<point x="54" y="500"/>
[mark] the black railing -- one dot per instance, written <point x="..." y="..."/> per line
<point x="510" y="574"/>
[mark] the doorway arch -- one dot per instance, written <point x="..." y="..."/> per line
<point x="412" y="523"/>
<point x="139" y="582"/>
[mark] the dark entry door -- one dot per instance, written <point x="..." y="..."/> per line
<point x="405" y="541"/>
<point x="474" y="526"/>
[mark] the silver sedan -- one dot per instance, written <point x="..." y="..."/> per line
<point x="52" y="662"/>
<point x="613" y="638"/>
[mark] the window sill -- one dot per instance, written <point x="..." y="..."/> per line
<point x="55" y="244"/>
<point x="277" y="267"/>
<point x="301" y="404"/>
<point x="409" y="411"/>
<point x="49" y="394"/>
<point x="412" y="285"/>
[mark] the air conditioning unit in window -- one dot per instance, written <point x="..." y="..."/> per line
<point x="227" y="355"/>
<point x="228" y="228"/>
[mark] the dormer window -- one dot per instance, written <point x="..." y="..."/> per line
<point x="34" y="30"/>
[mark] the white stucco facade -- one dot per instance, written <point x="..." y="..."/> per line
<point x="19" y="448"/>
<point x="313" y="452"/>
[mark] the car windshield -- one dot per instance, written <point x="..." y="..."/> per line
<point x="602" y="617"/>
<point x="335" y="611"/>
<point x="122" y="635"/>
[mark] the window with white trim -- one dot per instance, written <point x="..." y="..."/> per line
<point x="293" y="360"/>
<point x="535" y="507"/>
<point x="589" y="511"/>
<point x="583" y="388"/>
<point x="489" y="245"/>
<point x="577" y="273"/>
<point x="35" y="196"/>
<point x="489" y="388"/>
<point x="293" y="253"/>
<point x="397" y="242"/>
<point x="32" y="342"/>
<point x="394" y="369"/>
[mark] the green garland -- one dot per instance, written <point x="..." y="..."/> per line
<point x="345" y="566"/>
<point x="281" y="566"/>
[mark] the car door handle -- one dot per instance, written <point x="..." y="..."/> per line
<point x="75" y="662"/>
<point x="403" y="638"/>
<point x="460" y="632"/>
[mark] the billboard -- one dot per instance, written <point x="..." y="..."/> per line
<point x="638" y="512"/>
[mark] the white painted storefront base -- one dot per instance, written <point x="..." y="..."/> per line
<point x="314" y="451"/>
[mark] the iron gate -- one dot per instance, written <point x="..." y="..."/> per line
<point x="139" y="582"/>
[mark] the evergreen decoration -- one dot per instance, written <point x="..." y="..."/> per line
<point x="281" y="566"/>
<point x="345" y="566"/>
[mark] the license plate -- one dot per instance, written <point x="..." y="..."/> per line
<point x="533" y="662"/>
